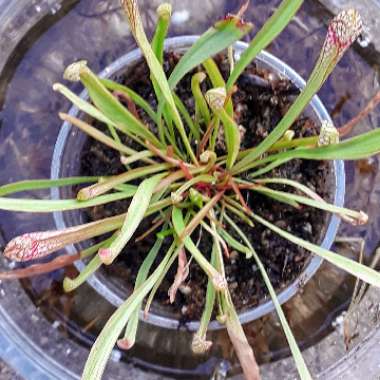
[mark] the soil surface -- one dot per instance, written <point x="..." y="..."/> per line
<point x="260" y="101"/>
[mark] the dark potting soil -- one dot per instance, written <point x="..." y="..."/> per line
<point x="260" y="101"/>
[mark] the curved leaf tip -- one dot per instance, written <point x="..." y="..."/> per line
<point x="343" y="30"/>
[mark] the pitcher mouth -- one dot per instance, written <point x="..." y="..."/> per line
<point x="109" y="290"/>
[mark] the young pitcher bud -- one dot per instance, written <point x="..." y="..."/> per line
<point x="207" y="157"/>
<point x="164" y="11"/>
<point x="216" y="98"/>
<point x="176" y="198"/>
<point x="289" y="135"/>
<point x="199" y="77"/>
<point x="222" y="319"/>
<point x="329" y="134"/>
<point x="200" y="345"/>
<point x="73" y="71"/>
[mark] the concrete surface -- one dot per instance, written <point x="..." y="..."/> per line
<point x="7" y="373"/>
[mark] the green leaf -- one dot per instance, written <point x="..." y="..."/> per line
<point x="96" y="134"/>
<point x="235" y="331"/>
<point x="110" y="183"/>
<point x="136" y="212"/>
<point x="157" y="73"/>
<point x="309" y="202"/>
<point x="164" y="12"/>
<point x="102" y="348"/>
<point x="214" y="40"/>
<point x="37" y="205"/>
<point x="202" y="113"/>
<point x="208" y="308"/>
<point x="70" y="284"/>
<point x="39" y="184"/>
<point x="119" y="115"/>
<point x="142" y="275"/>
<point x="216" y="98"/>
<point x="143" y="155"/>
<point x="185" y="114"/>
<point x="232" y="242"/>
<point x="271" y="29"/>
<point x="231" y="135"/>
<point x="162" y="276"/>
<point x="179" y="226"/>
<point x="81" y="104"/>
<point x="191" y="182"/>
<point x="356" y="148"/>
<point x="268" y="168"/>
<point x="198" y="218"/>
<point x="361" y="271"/>
<point x="297" y="355"/>
<point x="135" y="97"/>
<point x="332" y="51"/>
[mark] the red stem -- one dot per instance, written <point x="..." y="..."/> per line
<point x="38" y="269"/>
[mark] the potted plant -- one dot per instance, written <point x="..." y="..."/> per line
<point x="191" y="163"/>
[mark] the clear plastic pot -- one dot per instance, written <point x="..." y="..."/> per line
<point x="66" y="162"/>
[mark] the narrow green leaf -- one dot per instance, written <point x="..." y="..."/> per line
<point x="214" y="275"/>
<point x="231" y="135"/>
<point x="113" y="109"/>
<point x="81" y="104"/>
<point x="199" y="344"/>
<point x="342" y="32"/>
<point x="191" y="182"/>
<point x="136" y="212"/>
<point x="169" y="264"/>
<point x="271" y="29"/>
<point x="268" y="168"/>
<point x="143" y="155"/>
<point x="202" y="113"/>
<point x="202" y="213"/>
<point x="214" y="40"/>
<point x="102" y="348"/>
<point x="70" y="284"/>
<point x="38" y="205"/>
<point x="239" y="212"/>
<point x="110" y="183"/>
<point x="356" y="148"/>
<point x="164" y="12"/>
<point x="39" y="184"/>
<point x="157" y="73"/>
<point x="96" y="134"/>
<point x="356" y="216"/>
<point x="185" y="114"/>
<point x="297" y="355"/>
<point x="142" y="275"/>
<point x="361" y="271"/>
<point x="233" y="243"/>
<point x="135" y="97"/>
<point x="216" y="99"/>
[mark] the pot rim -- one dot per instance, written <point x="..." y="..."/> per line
<point x="284" y="295"/>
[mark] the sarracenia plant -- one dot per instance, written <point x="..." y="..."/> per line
<point x="178" y="176"/>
